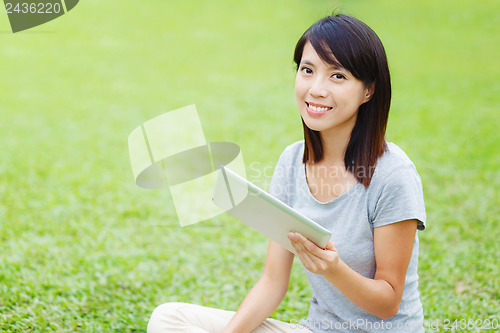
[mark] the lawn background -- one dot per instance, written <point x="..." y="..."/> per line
<point x="84" y="249"/>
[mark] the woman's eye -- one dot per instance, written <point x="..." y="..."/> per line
<point x="338" y="76"/>
<point x="306" y="70"/>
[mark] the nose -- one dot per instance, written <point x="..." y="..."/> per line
<point x="317" y="88"/>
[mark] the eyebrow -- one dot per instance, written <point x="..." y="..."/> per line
<point x="332" y="66"/>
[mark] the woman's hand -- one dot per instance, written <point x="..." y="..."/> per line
<point x="315" y="259"/>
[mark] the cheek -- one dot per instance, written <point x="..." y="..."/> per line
<point x="300" y="88"/>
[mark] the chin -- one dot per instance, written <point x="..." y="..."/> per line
<point x="313" y="124"/>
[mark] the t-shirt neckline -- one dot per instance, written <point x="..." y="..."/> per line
<point x="310" y="195"/>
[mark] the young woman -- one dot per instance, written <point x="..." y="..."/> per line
<point x="346" y="177"/>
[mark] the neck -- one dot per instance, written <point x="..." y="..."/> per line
<point x="334" y="146"/>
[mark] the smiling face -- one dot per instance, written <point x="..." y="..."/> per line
<point x="328" y="96"/>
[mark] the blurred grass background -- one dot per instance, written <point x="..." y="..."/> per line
<point x="84" y="249"/>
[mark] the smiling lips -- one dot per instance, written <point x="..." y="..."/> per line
<point x="317" y="109"/>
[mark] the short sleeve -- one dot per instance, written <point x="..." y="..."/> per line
<point x="400" y="198"/>
<point x="279" y="181"/>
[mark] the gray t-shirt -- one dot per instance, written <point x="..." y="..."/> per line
<point x="395" y="194"/>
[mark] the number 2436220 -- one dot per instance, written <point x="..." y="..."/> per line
<point x="33" y="8"/>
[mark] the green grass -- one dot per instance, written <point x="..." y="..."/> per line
<point x="84" y="249"/>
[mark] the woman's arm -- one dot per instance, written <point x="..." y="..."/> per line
<point x="263" y="299"/>
<point x="380" y="296"/>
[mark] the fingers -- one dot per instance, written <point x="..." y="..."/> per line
<point x="307" y="259"/>
<point x="309" y="253"/>
<point x="314" y="259"/>
<point x="307" y="245"/>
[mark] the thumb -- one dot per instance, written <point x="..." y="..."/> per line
<point x="331" y="246"/>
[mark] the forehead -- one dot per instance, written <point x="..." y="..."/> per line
<point x="309" y="54"/>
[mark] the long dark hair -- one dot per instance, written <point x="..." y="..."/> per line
<point x="346" y="41"/>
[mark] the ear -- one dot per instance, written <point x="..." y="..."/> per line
<point x="369" y="91"/>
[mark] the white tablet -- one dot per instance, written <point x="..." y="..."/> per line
<point x="263" y="212"/>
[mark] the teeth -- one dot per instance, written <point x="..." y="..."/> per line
<point x="317" y="109"/>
